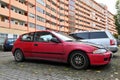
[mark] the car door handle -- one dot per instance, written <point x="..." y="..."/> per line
<point x="35" y="44"/>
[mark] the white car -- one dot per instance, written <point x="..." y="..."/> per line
<point x="104" y="38"/>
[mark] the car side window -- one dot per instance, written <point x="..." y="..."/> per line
<point x="43" y="37"/>
<point x="95" y="35"/>
<point x="27" y="37"/>
<point x="80" y="35"/>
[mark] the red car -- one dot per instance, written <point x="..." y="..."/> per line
<point x="49" y="45"/>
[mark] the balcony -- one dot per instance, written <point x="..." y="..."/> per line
<point x="41" y="6"/>
<point x="31" y="10"/>
<point x="40" y="14"/>
<point x="31" y="29"/>
<point x="66" y="7"/>
<point x="62" y="23"/>
<point x="48" y="25"/>
<point x="62" y="11"/>
<point x="6" y="1"/>
<point x="4" y="24"/>
<point x="66" y="12"/>
<point x="19" y="5"/>
<point x="48" y="10"/>
<point x="66" y="24"/>
<point x="18" y="27"/>
<point x="53" y="20"/>
<point x="4" y="11"/>
<point x="76" y="26"/>
<point x="56" y="1"/>
<point x="53" y="13"/>
<point x="53" y="27"/>
<point x="32" y="20"/>
<point x="48" y="17"/>
<point x="32" y="2"/>
<point x="18" y="16"/>
<point x="62" y="29"/>
<point x="55" y="7"/>
<point x="66" y="18"/>
<point x="66" y="29"/>
<point x="62" y="5"/>
<point x="62" y="17"/>
<point x="66" y="2"/>
<point x="48" y="3"/>
<point x="40" y="23"/>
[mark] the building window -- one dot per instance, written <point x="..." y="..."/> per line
<point x="53" y="16"/>
<point x="21" y="1"/>
<point x="71" y="13"/>
<point x="48" y="14"/>
<point x="53" y="10"/>
<point x="3" y="5"/>
<point x="40" y="10"/>
<point x="71" y="8"/>
<point x="22" y="23"/>
<point x="18" y="10"/>
<point x="4" y="19"/>
<point x="18" y="22"/>
<point x="71" y="2"/>
<point x="31" y="15"/>
<point x="41" y="2"/>
<point x="31" y="25"/>
<point x="31" y="5"/>
<point x="48" y="6"/>
<point x="3" y="35"/>
<point x="15" y="36"/>
<point x="41" y="19"/>
<point x="38" y="27"/>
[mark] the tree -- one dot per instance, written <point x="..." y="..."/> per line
<point x="117" y="16"/>
<point x="118" y="6"/>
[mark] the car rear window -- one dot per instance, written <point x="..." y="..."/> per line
<point x="80" y="35"/>
<point x="94" y="35"/>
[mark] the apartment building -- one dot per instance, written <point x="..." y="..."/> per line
<point x="20" y="16"/>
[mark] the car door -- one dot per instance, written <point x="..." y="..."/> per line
<point x="26" y="42"/>
<point x="43" y="48"/>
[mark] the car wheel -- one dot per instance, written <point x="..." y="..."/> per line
<point x="18" y="55"/>
<point x="79" y="60"/>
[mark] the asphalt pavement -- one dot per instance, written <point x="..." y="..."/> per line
<point x="46" y="70"/>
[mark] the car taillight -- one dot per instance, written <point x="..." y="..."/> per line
<point x="112" y="42"/>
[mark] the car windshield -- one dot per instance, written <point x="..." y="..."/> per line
<point x="64" y="37"/>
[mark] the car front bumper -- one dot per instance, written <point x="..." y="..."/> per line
<point x="100" y="59"/>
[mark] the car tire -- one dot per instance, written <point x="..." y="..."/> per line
<point x="18" y="55"/>
<point x="79" y="60"/>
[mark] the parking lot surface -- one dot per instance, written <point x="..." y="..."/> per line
<point x="45" y="70"/>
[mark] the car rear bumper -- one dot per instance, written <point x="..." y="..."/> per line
<point x="100" y="59"/>
<point x="8" y="47"/>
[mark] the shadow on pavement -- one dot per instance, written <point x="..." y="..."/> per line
<point x="59" y="65"/>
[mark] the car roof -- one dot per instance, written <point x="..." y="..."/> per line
<point x="38" y="31"/>
<point x="89" y="31"/>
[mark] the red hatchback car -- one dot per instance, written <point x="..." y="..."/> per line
<point x="49" y="45"/>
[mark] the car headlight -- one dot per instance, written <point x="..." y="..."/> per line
<point x="99" y="51"/>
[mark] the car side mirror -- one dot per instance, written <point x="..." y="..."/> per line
<point x="55" y="40"/>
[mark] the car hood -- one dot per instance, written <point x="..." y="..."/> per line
<point x="93" y="44"/>
<point x="80" y="45"/>
<point x="85" y="45"/>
